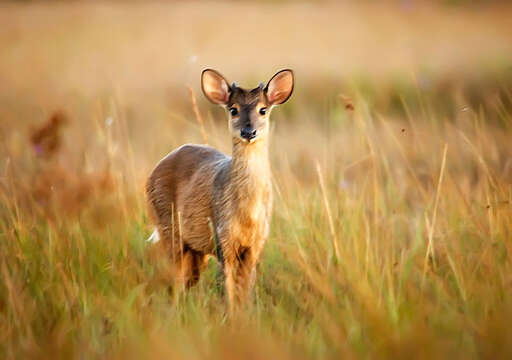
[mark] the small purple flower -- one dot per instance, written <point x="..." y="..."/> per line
<point x="344" y="184"/>
<point x="38" y="149"/>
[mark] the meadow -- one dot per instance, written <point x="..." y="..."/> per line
<point x="392" y="171"/>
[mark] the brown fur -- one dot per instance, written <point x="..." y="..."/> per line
<point x="206" y="203"/>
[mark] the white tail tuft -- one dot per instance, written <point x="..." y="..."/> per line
<point x="154" y="238"/>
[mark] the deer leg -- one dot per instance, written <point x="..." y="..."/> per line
<point x="246" y="273"/>
<point x="229" y="283"/>
<point x="199" y="262"/>
<point x="184" y="269"/>
<point x="239" y="275"/>
<point x="190" y="266"/>
<point x="252" y="281"/>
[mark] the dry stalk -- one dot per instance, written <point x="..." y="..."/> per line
<point x="328" y="210"/>
<point x="199" y="118"/>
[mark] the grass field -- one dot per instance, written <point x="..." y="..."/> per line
<point x="392" y="171"/>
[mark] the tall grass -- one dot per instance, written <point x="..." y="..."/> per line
<point x="392" y="228"/>
<point x="390" y="239"/>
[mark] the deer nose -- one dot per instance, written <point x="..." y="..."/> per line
<point x="248" y="133"/>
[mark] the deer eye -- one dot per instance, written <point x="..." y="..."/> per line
<point x="263" y="111"/>
<point x="233" y="111"/>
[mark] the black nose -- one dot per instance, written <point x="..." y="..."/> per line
<point x="248" y="133"/>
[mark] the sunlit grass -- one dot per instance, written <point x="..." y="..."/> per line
<point x="392" y="225"/>
<point x="72" y="285"/>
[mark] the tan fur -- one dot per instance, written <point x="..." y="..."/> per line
<point x="206" y="203"/>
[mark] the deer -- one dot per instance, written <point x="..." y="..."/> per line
<point x="204" y="203"/>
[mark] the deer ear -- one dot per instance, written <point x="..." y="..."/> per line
<point x="280" y="87"/>
<point x="215" y="87"/>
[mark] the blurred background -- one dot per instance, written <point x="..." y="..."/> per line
<point x="396" y="146"/>
<point x="74" y="55"/>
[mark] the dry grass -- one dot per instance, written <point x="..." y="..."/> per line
<point x="391" y="235"/>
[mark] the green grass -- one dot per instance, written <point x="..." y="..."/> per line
<point x="391" y="235"/>
<point x="71" y="286"/>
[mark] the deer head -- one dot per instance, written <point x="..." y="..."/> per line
<point x="248" y="110"/>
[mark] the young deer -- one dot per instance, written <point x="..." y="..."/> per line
<point x="206" y="203"/>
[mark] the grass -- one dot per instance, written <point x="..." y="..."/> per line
<point x="391" y="234"/>
<point x="420" y="213"/>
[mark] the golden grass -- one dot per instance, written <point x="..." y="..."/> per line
<point x="391" y="235"/>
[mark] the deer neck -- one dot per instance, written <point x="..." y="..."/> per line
<point x="250" y="172"/>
